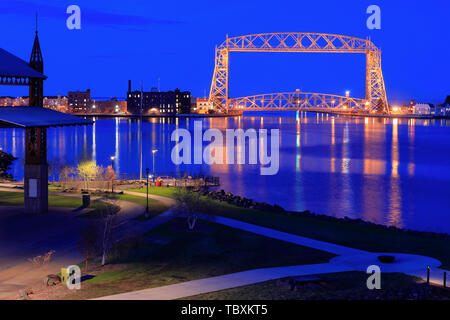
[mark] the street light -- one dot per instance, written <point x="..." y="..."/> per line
<point x="112" y="174"/>
<point x="146" y="208"/>
<point x="154" y="151"/>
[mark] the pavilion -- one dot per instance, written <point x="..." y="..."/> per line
<point x="35" y="119"/>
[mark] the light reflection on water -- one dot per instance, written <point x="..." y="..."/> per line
<point x="390" y="171"/>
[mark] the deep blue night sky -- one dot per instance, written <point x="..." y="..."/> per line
<point x="175" y="40"/>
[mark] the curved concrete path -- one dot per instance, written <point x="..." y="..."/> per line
<point x="168" y="201"/>
<point x="349" y="259"/>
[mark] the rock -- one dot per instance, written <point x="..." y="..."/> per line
<point x="51" y="280"/>
<point x="24" y="294"/>
<point x="386" y="259"/>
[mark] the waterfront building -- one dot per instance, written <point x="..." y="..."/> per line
<point x="203" y="105"/>
<point x="79" y="101"/>
<point x="422" y="109"/>
<point x="443" y="110"/>
<point x="14" y="101"/>
<point x="59" y="103"/>
<point x="157" y="102"/>
<point x="109" y="106"/>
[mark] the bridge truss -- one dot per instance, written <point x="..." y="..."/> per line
<point x="375" y="92"/>
<point x="296" y="101"/>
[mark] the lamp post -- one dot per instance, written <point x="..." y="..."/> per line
<point x="112" y="174"/>
<point x="154" y="151"/>
<point x="146" y="208"/>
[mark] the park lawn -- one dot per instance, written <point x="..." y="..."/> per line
<point x="12" y="198"/>
<point x="365" y="237"/>
<point x="171" y="253"/>
<point x="336" y="286"/>
<point x="168" y="192"/>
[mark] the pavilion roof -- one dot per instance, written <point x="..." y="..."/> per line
<point x="29" y="117"/>
<point x="13" y="66"/>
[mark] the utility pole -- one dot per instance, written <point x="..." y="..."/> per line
<point x="140" y="133"/>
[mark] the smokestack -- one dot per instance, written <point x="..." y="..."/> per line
<point x="129" y="85"/>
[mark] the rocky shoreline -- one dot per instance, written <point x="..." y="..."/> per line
<point x="238" y="201"/>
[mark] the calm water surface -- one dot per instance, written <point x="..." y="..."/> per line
<point x="389" y="171"/>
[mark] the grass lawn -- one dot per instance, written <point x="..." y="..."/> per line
<point x="8" y="198"/>
<point x="168" y="192"/>
<point x="336" y="286"/>
<point x="12" y="198"/>
<point x="365" y="237"/>
<point x="171" y="253"/>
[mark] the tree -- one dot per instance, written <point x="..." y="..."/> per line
<point x="108" y="222"/>
<point x="88" y="171"/>
<point x="109" y="174"/>
<point x="66" y="174"/>
<point x="99" y="236"/>
<point x="6" y="161"/>
<point x="54" y="167"/>
<point x="189" y="203"/>
<point x="88" y="244"/>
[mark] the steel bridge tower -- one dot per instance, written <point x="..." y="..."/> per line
<point x="375" y="92"/>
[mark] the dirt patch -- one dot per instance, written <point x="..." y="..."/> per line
<point x="60" y="291"/>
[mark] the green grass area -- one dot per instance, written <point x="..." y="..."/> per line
<point x="337" y="286"/>
<point x="172" y="253"/>
<point x="168" y="192"/>
<point x="12" y="198"/>
<point x="8" y="198"/>
<point x="365" y="237"/>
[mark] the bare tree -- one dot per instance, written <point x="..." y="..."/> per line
<point x="189" y="203"/>
<point x="108" y="224"/>
<point x="88" y="244"/>
<point x="66" y="175"/>
<point x="54" y="168"/>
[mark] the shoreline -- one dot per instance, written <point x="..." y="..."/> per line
<point x="181" y="115"/>
<point x="261" y="114"/>
<point x="374" y="115"/>
<point x="232" y="199"/>
<point x="242" y="202"/>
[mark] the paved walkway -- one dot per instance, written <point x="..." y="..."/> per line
<point x="170" y="202"/>
<point x="349" y="259"/>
